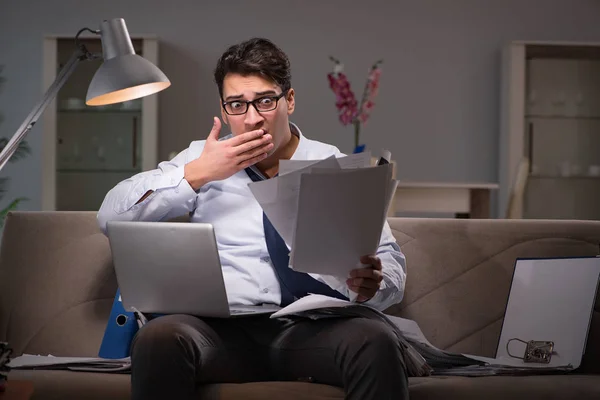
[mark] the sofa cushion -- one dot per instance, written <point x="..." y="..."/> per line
<point x="50" y="385"/>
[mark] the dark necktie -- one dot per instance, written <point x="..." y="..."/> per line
<point x="294" y="284"/>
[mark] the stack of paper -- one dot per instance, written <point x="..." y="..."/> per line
<point x="90" y="364"/>
<point x="502" y="366"/>
<point x="329" y="212"/>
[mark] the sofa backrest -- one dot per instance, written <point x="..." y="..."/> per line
<point x="57" y="282"/>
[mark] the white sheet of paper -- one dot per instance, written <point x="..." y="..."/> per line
<point x="264" y="191"/>
<point x="358" y="160"/>
<point x="337" y="283"/>
<point x="513" y="362"/>
<point x="287" y="166"/>
<point x="391" y="190"/>
<point x="289" y="185"/>
<point x="278" y="197"/>
<point x="282" y="216"/>
<point x="387" y="155"/>
<point x="311" y="302"/>
<point x="340" y="219"/>
<point x="30" y="360"/>
<point x="410" y="329"/>
<point x="390" y="195"/>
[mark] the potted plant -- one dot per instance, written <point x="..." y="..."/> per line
<point x="349" y="111"/>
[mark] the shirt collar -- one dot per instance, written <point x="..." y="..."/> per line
<point x="301" y="150"/>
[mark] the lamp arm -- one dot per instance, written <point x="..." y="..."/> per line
<point x="79" y="55"/>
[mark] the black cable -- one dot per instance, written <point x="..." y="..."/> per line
<point x="85" y="52"/>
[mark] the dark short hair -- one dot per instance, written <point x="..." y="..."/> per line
<point x="257" y="56"/>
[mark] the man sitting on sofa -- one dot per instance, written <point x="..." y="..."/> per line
<point x="173" y="354"/>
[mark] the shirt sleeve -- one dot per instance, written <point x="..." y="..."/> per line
<point x="393" y="265"/>
<point x="172" y="196"/>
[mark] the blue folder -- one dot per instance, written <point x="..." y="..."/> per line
<point x="121" y="328"/>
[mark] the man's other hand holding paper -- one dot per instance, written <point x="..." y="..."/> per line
<point x="366" y="281"/>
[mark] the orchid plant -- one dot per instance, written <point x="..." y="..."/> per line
<point x="349" y="110"/>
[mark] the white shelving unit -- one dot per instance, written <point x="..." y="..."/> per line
<point x="550" y="115"/>
<point x="88" y="150"/>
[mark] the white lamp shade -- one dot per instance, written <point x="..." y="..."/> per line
<point x="124" y="75"/>
<point x="124" y="78"/>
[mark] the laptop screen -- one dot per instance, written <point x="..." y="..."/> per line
<point x="550" y="300"/>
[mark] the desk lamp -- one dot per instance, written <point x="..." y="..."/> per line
<point x="122" y="76"/>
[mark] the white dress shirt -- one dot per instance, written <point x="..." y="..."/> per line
<point x="237" y="219"/>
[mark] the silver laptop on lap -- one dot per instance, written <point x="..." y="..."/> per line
<point x="172" y="268"/>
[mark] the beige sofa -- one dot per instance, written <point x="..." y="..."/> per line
<point x="57" y="286"/>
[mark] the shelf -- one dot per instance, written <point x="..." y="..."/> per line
<point x="563" y="117"/>
<point x="560" y="177"/>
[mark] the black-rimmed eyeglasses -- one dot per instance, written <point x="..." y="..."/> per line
<point x="261" y="104"/>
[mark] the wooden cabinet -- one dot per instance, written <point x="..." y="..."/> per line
<point x="550" y="117"/>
